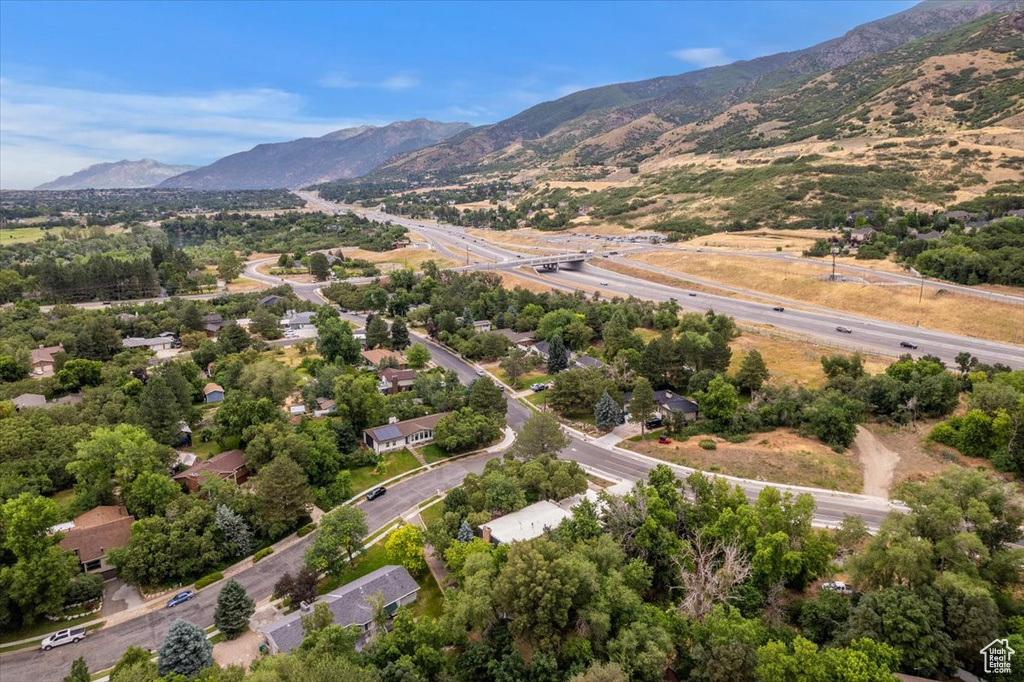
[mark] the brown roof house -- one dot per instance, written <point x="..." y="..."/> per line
<point x="214" y="392"/>
<point x="43" y="360"/>
<point x="378" y="355"/>
<point x="396" y="380"/>
<point x="228" y="464"/>
<point x="95" y="532"/>
<point x="397" y="435"/>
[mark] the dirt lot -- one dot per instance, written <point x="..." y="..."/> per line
<point x="940" y="309"/>
<point x="781" y="455"/>
<point x="918" y="458"/>
<point x="791" y="361"/>
<point x="246" y="284"/>
<point x="407" y="257"/>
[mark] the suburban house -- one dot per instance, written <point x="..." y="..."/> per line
<point x="269" y="300"/>
<point x="521" y="340"/>
<point x="214" y="392"/>
<point x="862" y="235"/>
<point x="296" y="321"/>
<point x="42" y="358"/>
<point x="482" y="326"/>
<point x="27" y="400"/>
<point x="92" y="534"/>
<point x="378" y="355"/>
<point x="397" y="435"/>
<point x="213" y="323"/>
<point x="396" y="380"/>
<point x="541" y="348"/>
<point x="324" y="406"/>
<point x="184" y="435"/>
<point x="585" y="361"/>
<point x="669" y="403"/>
<point x="350" y="604"/>
<point x="228" y="464"/>
<point x="155" y="343"/>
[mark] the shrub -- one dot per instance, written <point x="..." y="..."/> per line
<point x="736" y="438"/>
<point x="209" y="580"/>
<point x="708" y="444"/>
<point x="84" y="587"/>
<point x="305" y="530"/>
<point x="262" y="554"/>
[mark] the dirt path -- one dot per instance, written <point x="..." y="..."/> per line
<point x="878" y="461"/>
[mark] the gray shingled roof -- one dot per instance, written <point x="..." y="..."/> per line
<point x="349" y="604"/>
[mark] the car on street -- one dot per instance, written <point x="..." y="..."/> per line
<point x="778" y="309"/>
<point x="909" y="344"/>
<point x="844" y="330"/>
<point x="62" y="637"/>
<point x="480" y="372"/>
<point x="691" y="294"/>
<point x="376" y="492"/>
<point x="180" y="598"/>
<point x="664" y="440"/>
<point x="604" y="284"/>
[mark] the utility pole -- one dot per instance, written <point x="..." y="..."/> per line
<point x="835" y="252"/>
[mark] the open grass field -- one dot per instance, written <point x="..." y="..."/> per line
<point x="780" y="455"/>
<point x="939" y="309"/>
<point x="406" y="258"/>
<point x="245" y="284"/>
<point x="511" y="281"/>
<point x="21" y="235"/>
<point x="394" y="463"/>
<point x="791" y="361"/>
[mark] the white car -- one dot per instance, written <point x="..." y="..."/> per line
<point x="837" y="586"/>
<point x="61" y="637"/>
<point x="604" y="284"/>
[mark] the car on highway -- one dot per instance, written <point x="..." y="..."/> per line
<point x="778" y="309"/>
<point x="604" y="284"/>
<point x="691" y="294"/>
<point x="62" y="637"/>
<point x="909" y="344"/>
<point x="664" y="440"/>
<point x="180" y="598"/>
<point x="844" y="330"/>
<point x="375" y="493"/>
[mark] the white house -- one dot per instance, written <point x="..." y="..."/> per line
<point x="397" y="435"/>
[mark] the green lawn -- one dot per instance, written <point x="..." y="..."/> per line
<point x="394" y="463"/>
<point x="65" y="499"/>
<point x="19" y="235"/>
<point x="538" y="375"/>
<point x="432" y="513"/>
<point x="430" y="600"/>
<point x="434" y="453"/>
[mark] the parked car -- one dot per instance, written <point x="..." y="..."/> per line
<point x="62" y="637"/>
<point x="539" y="387"/>
<point x="376" y="492"/>
<point x="655" y="423"/>
<point x="778" y="309"/>
<point x="908" y="344"/>
<point x="837" y="586"/>
<point x="664" y="440"/>
<point x="180" y="598"/>
<point x="844" y="330"/>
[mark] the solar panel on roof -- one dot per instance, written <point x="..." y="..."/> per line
<point x="389" y="432"/>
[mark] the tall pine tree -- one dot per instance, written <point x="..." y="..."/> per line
<point x="234" y="608"/>
<point x="558" y="356"/>
<point x="159" y="411"/>
<point x="399" y="334"/>
<point x="186" y="650"/>
<point x="607" y="414"/>
<point x="376" y="333"/>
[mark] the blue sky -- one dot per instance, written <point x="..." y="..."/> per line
<point x="189" y="82"/>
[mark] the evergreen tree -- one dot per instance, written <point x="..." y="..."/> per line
<point x="465" y="532"/>
<point x="753" y="372"/>
<point x="233" y="339"/>
<point x="319" y="266"/>
<point x="186" y="650"/>
<point x="265" y="323"/>
<point x="541" y="434"/>
<point x="98" y="340"/>
<point x="607" y="414"/>
<point x="234" y="608"/>
<point x="159" y="411"/>
<point x="376" y="332"/>
<point x="236" y="531"/>
<point x="558" y="356"/>
<point x="642" y="405"/>
<point x="282" y="495"/>
<point x="79" y="671"/>
<point x="399" y="334"/>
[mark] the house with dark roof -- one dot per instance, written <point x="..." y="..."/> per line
<point x="296" y="321"/>
<point x="213" y="323"/>
<point x="43" y="361"/>
<point x="519" y="339"/>
<point x="29" y="400"/>
<point x="670" y="403"/>
<point x="214" y="392"/>
<point x="92" y="534"/>
<point x="541" y="348"/>
<point x="270" y="300"/>
<point x="397" y="435"/>
<point x="394" y="380"/>
<point x="155" y="343"/>
<point x="227" y="465"/>
<point x="351" y="604"/>
<point x="587" y="361"/>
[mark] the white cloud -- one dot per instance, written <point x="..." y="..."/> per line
<point x="401" y="81"/>
<point x="341" y="80"/>
<point x="702" y="56"/>
<point x="49" y="131"/>
<point x="337" y="79"/>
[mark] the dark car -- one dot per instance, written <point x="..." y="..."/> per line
<point x="655" y="423"/>
<point x="778" y="308"/>
<point x="691" y="294"/>
<point x="908" y="344"/>
<point x="180" y="598"/>
<point x="844" y="330"/>
<point x="376" y="492"/>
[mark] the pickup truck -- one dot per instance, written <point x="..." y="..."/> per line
<point x="61" y="637"/>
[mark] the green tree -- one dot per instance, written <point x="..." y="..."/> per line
<point x="186" y="651"/>
<point x="265" y="323"/>
<point x="335" y="341"/>
<point x="607" y="413"/>
<point x="399" y="334"/>
<point x="98" y="340"/>
<point x="159" y="411"/>
<point x="405" y="547"/>
<point x="359" y="401"/>
<point x="833" y="418"/>
<point x="417" y="356"/>
<point x="235" y="529"/>
<point x="149" y="494"/>
<point x="487" y="398"/>
<point x="282" y="496"/>
<point x="79" y="671"/>
<point x="465" y="429"/>
<point x="558" y="355"/>
<point x="135" y="666"/>
<point x="234" y="609"/>
<point x="719" y="403"/>
<point x="342" y="532"/>
<point x="318" y="619"/>
<point x="377" y="333"/>
<point x="233" y="339"/>
<point x="319" y="266"/>
<point x="78" y="373"/>
<point x="641" y="404"/>
<point x="541" y="434"/>
<point x="269" y="379"/>
<point x="229" y="267"/>
<point x="753" y="372"/>
<point x="576" y="391"/>
<point x="517" y="363"/>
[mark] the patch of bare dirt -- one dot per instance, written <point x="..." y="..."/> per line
<point x="877" y="461"/>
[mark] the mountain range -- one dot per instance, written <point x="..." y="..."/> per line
<point x="118" y="175"/>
